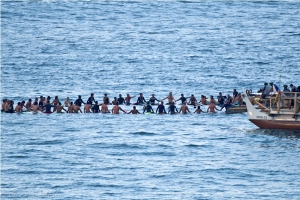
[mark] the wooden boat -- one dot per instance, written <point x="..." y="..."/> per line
<point x="276" y="115"/>
<point x="236" y="109"/>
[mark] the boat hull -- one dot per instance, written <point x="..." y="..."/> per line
<point x="276" y="124"/>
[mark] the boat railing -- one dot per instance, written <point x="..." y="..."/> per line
<point x="289" y="97"/>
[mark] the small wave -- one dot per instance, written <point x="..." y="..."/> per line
<point x="143" y="133"/>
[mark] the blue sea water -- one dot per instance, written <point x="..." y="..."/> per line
<point x="70" y="48"/>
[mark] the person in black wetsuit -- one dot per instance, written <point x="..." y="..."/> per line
<point x="120" y="100"/>
<point x="161" y="108"/>
<point x="148" y="108"/>
<point x="91" y="99"/>
<point x="172" y="109"/>
<point x="79" y="101"/>
<point x="228" y="103"/>
<point x="153" y="99"/>
<point x="48" y="107"/>
<point x="141" y="99"/>
<point x="96" y="107"/>
<point x="182" y="98"/>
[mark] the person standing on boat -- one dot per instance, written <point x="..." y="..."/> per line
<point x="265" y="91"/>
<point x="274" y="88"/>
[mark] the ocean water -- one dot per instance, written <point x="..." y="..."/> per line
<point x="70" y="48"/>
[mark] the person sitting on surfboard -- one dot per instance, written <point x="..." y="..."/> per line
<point x="134" y="111"/>
<point x="182" y="98"/>
<point x="116" y="109"/>
<point x="153" y="99"/>
<point x="91" y="99"/>
<point x="141" y="99"/>
<point x="148" y="108"/>
<point x="59" y="108"/>
<point x="172" y="109"/>
<point x="170" y="98"/>
<point x="120" y="99"/>
<point x="48" y="107"/>
<point x="184" y="109"/>
<point x="198" y="110"/>
<point x="18" y="108"/>
<point x="96" y="107"/>
<point x="161" y="108"/>
<point x="193" y="100"/>
<point x="127" y="99"/>
<point x="106" y="99"/>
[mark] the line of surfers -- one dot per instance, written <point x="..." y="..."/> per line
<point x="45" y="105"/>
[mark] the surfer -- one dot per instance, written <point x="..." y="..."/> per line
<point x="67" y="102"/>
<point x="148" y="108"/>
<point x="78" y="101"/>
<point x="134" y="111"/>
<point x="48" y="107"/>
<point x="153" y="99"/>
<point x="106" y="99"/>
<point x="198" y="110"/>
<point x="87" y="107"/>
<point x="120" y="99"/>
<point x="193" y="100"/>
<point x="141" y="99"/>
<point x="212" y="107"/>
<point x="184" y="109"/>
<point x="91" y="99"/>
<point x="59" y="108"/>
<point x="116" y="109"/>
<point x="35" y="107"/>
<point x="96" y="107"/>
<point x="170" y="98"/>
<point x="104" y="108"/>
<point x="71" y="107"/>
<point x="161" y="108"/>
<point x="182" y="98"/>
<point x="127" y="99"/>
<point x="28" y="105"/>
<point x="172" y="109"/>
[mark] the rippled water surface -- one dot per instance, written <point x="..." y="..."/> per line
<point x="70" y="48"/>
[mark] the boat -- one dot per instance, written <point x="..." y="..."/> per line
<point x="236" y="109"/>
<point x="273" y="112"/>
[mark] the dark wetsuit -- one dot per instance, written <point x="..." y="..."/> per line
<point x="221" y="100"/>
<point x="48" y="107"/>
<point x="152" y="100"/>
<point x="90" y="100"/>
<point x="183" y="99"/>
<point x="120" y="100"/>
<point x="41" y="103"/>
<point x="78" y="102"/>
<point x="96" y="108"/>
<point x="148" y="108"/>
<point x="227" y="105"/>
<point x="161" y="109"/>
<point x="141" y="100"/>
<point x="172" y="109"/>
